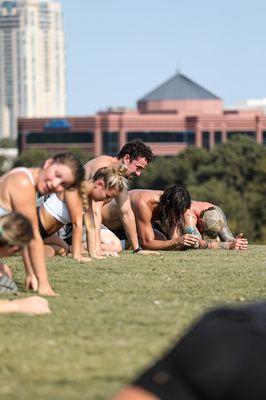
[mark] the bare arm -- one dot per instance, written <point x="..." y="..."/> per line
<point x="134" y="393"/>
<point x="74" y="205"/>
<point x="25" y="204"/>
<point x="127" y="218"/>
<point x="97" y="216"/>
<point x="91" y="231"/>
<point x="146" y="232"/>
<point x="191" y="236"/>
<point x="239" y="243"/>
<point x="31" y="305"/>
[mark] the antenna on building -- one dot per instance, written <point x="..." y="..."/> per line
<point x="178" y="69"/>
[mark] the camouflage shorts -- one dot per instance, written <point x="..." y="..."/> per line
<point x="213" y="221"/>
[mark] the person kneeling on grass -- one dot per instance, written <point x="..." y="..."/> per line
<point x="69" y="207"/>
<point x="222" y="357"/>
<point x="18" y="189"/>
<point x="15" y="233"/>
<point x="201" y="219"/>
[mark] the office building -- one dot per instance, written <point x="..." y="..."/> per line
<point x="178" y="114"/>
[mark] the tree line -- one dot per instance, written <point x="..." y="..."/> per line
<point x="232" y="176"/>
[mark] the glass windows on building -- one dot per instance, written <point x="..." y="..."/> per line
<point x="187" y="137"/>
<point x="110" y="142"/>
<point x="217" y="137"/>
<point x="59" y="137"/>
<point x="231" y="134"/>
<point x="206" y="139"/>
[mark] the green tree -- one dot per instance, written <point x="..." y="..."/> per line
<point x="31" y="158"/>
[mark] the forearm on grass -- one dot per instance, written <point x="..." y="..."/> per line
<point x="129" y="224"/>
<point x="91" y="232"/>
<point x="76" y="239"/>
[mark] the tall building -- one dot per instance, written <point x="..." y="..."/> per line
<point x="32" y="62"/>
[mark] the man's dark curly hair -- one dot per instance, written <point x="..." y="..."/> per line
<point x="136" y="148"/>
<point x="173" y="203"/>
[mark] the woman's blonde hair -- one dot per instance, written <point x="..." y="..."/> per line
<point x="15" y="230"/>
<point x="114" y="177"/>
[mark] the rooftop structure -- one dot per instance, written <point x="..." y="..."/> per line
<point x="178" y="114"/>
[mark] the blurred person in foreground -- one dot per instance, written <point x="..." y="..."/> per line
<point x="222" y="357"/>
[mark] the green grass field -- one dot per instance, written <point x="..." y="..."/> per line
<point x="114" y="316"/>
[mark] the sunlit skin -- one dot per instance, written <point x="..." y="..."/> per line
<point x="95" y="191"/>
<point x="98" y="192"/>
<point x="54" y="178"/>
<point x="192" y="219"/>
<point x="144" y="204"/>
<point x="18" y="193"/>
<point x="7" y="251"/>
<point x="134" y="393"/>
<point x="135" y="168"/>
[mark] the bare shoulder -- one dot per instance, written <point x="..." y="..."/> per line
<point x="18" y="179"/>
<point x="190" y="212"/>
<point x="144" y="197"/>
<point x="142" y="204"/>
<point x="96" y="163"/>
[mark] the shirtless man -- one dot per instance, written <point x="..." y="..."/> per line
<point x="153" y="208"/>
<point x="135" y="155"/>
<point x="152" y="236"/>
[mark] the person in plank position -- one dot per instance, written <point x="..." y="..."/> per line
<point x="157" y="214"/>
<point x="136" y="156"/>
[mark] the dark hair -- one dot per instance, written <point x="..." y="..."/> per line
<point x="15" y="230"/>
<point x="74" y="164"/>
<point x="136" y="148"/>
<point x="173" y="203"/>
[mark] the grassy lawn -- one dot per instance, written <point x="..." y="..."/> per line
<point x="114" y="316"/>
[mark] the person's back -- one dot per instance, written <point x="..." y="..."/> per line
<point x="99" y="162"/>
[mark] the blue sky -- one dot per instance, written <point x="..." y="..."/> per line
<point x="119" y="50"/>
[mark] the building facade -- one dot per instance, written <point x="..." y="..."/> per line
<point x="32" y="62"/>
<point x="176" y="115"/>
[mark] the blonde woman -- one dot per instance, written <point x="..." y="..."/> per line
<point x="18" y="190"/>
<point x="15" y="233"/>
<point x="58" y="210"/>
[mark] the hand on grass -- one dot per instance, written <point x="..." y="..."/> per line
<point x="239" y="243"/>
<point x="45" y="290"/>
<point x="32" y="283"/>
<point x="82" y="259"/>
<point x="148" y="252"/>
<point x="187" y="240"/>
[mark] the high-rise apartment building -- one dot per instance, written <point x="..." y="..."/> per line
<point x="32" y="62"/>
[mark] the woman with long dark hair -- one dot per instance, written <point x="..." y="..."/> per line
<point x="202" y="219"/>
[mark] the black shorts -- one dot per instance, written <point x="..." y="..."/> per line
<point x="120" y="233"/>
